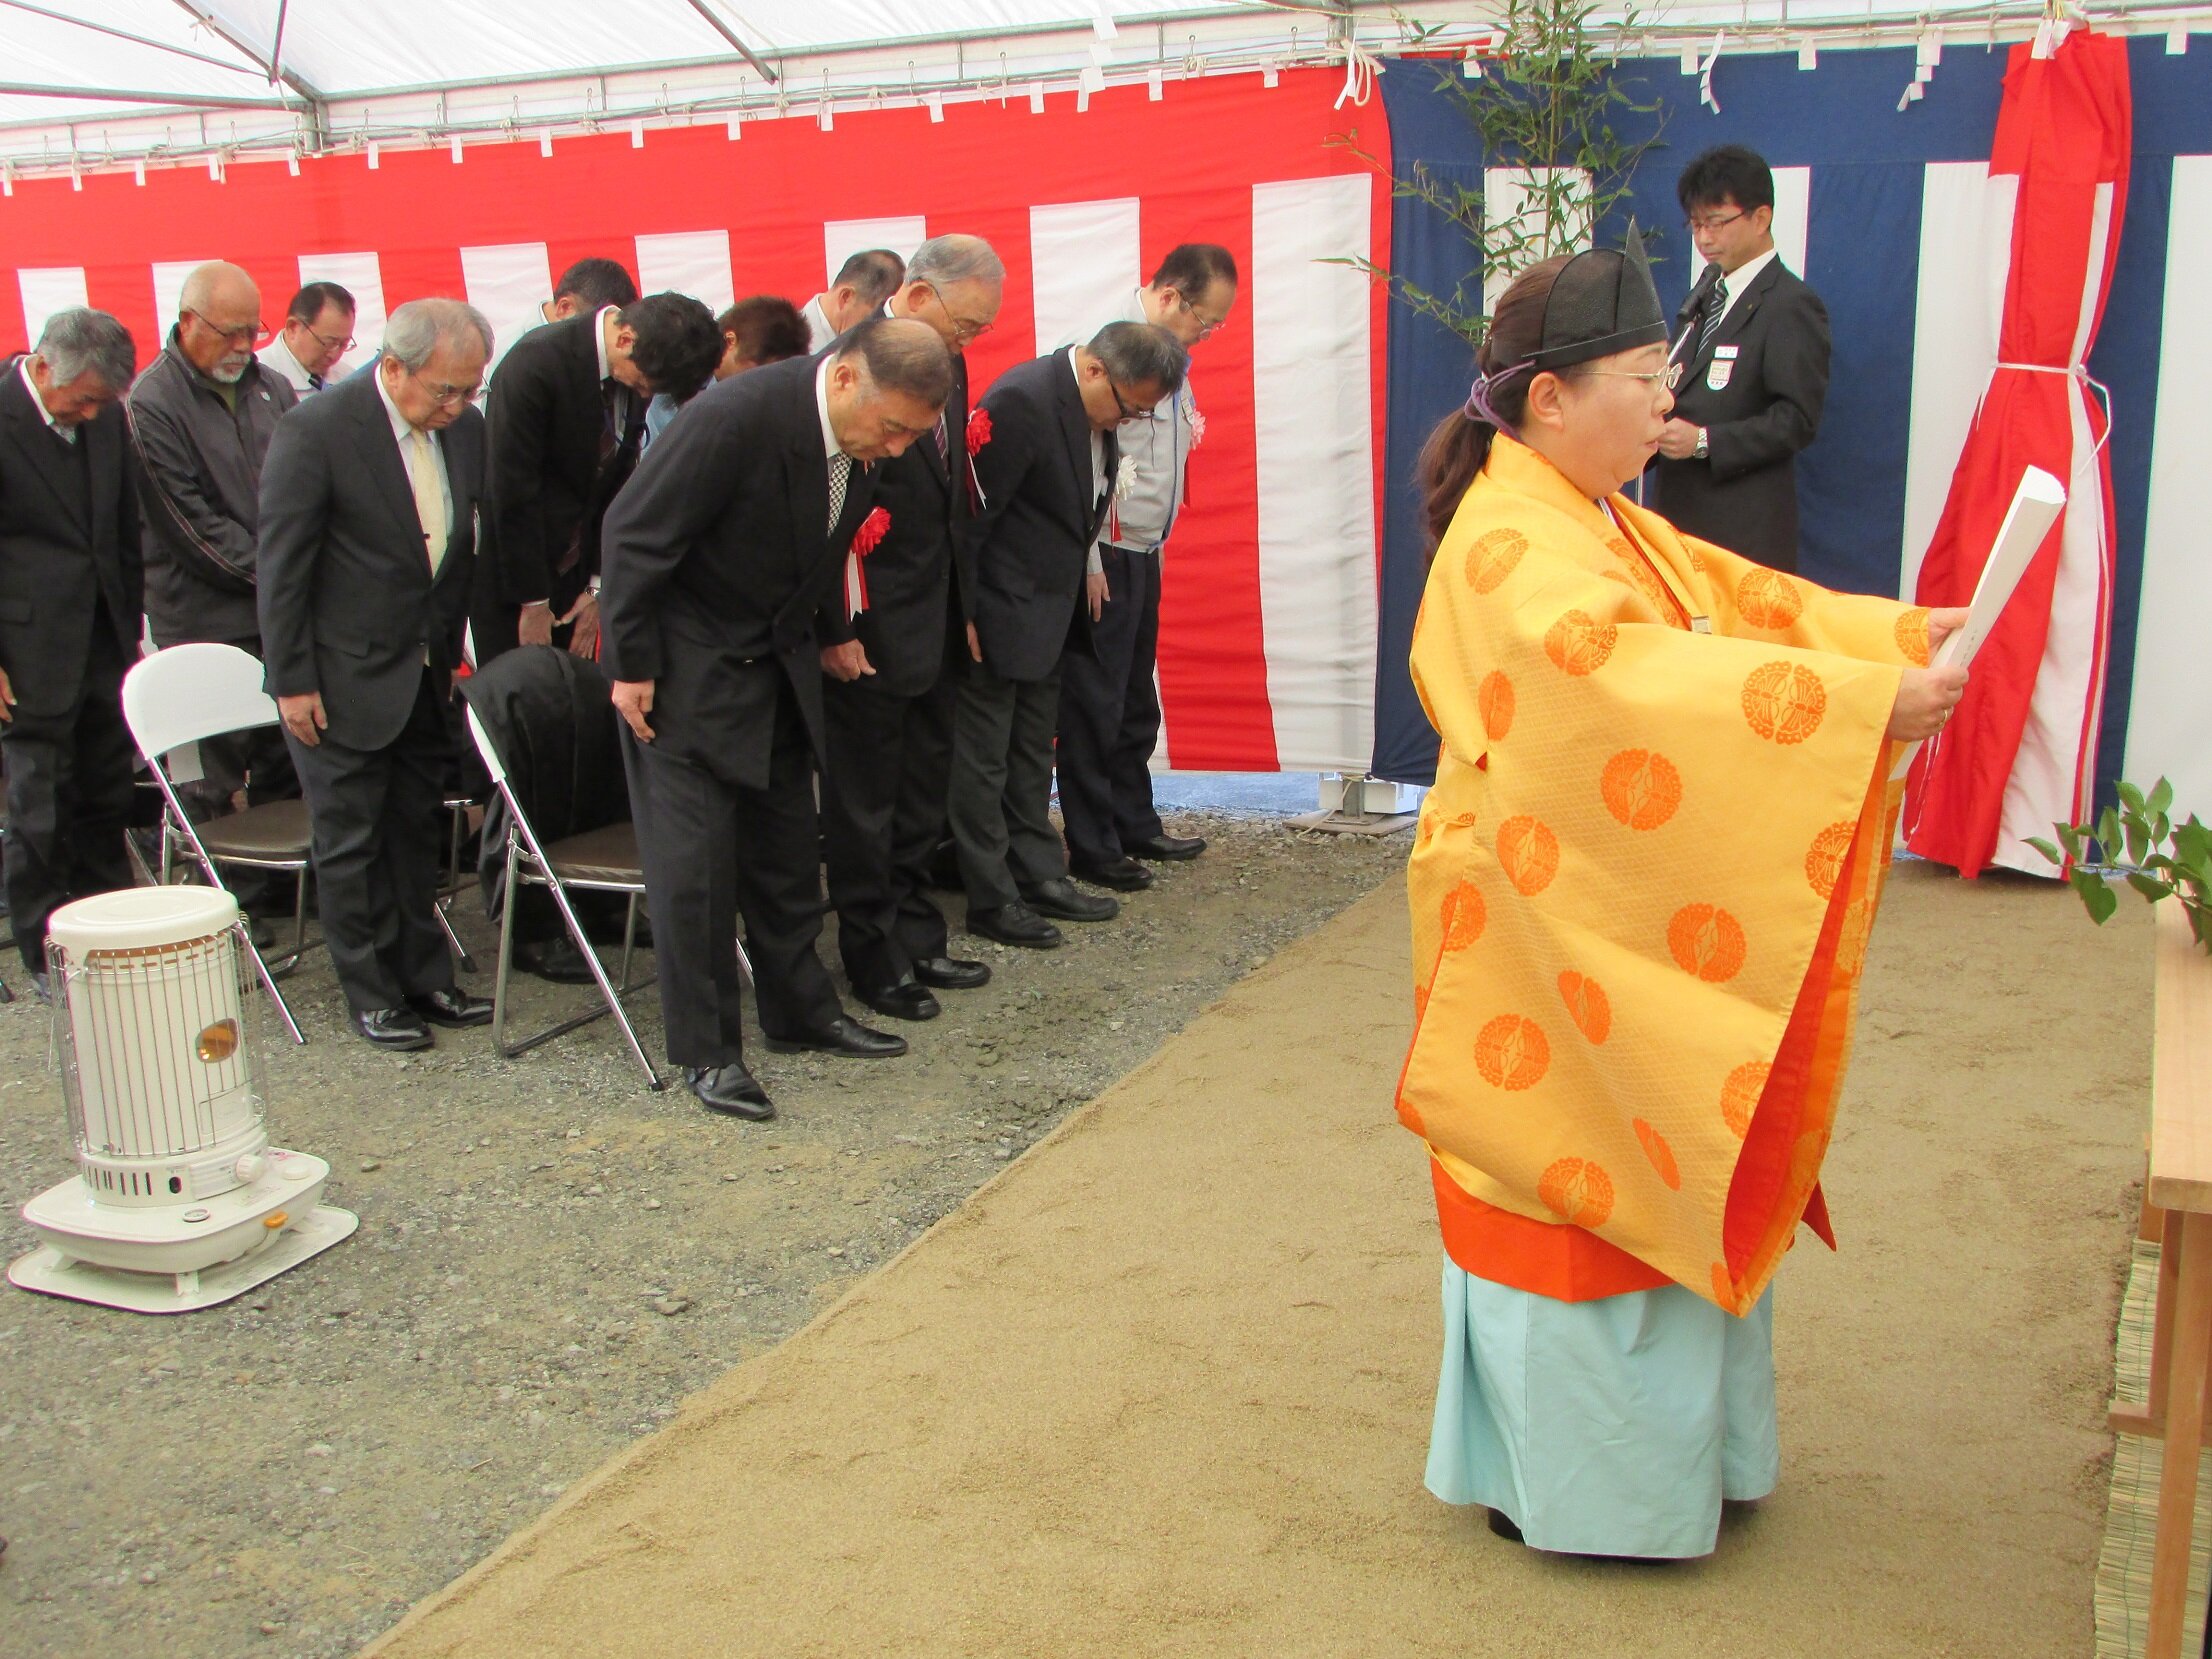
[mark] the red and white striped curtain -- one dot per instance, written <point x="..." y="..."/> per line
<point x="2019" y="755"/>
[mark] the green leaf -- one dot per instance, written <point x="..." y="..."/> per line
<point x="2151" y="888"/>
<point x="2139" y="843"/>
<point x="2098" y="899"/>
<point x="2130" y="796"/>
<point x="2109" y="837"/>
<point x="2161" y="797"/>
<point x="2044" y="847"/>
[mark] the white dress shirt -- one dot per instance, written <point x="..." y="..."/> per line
<point x="1741" y="279"/>
<point x="67" y="434"/>
<point x="830" y="449"/>
<point x="277" y="357"/>
<point x="819" y="330"/>
<point x="402" y="430"/>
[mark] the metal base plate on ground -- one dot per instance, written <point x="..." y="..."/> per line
<point x="1339" y="823"/>
<point x="49" y="1272"/>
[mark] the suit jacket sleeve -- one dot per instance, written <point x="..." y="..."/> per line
<point x="1000" y="467"/>
<point x="685" y="483"/>
<point x="295" y="512"/>
<point x="521" y="429"/>
<point x="1795" y="366"/>
<point x="219" y="549"/>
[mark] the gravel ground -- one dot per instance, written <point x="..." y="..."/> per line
<point x="550" y="1258"/>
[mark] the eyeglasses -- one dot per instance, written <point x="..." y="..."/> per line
<point x="245" y="335"/>
<point x="447" y="396"/>
<point x="1129" y="411"/>
<point x="1669" y="377"/>
<point x="1207" y="326"/>
<point x="1712" y="222"/>
<point x="327" y="343"/>
<point x="964" y="328"/>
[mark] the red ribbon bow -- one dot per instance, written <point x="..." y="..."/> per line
<point x="979" y="429"/>
<point x="866" y="540"/>
<point x="872" y="530"/>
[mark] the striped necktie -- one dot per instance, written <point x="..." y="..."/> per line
<point x="1716" y="307"/>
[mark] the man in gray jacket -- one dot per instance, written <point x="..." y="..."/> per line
<point x="202" y="416"/>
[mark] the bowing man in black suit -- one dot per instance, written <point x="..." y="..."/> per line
<point x="567" y="421"/>
<point x="369" y="499"/>
<point x="1046" y="465"/>
<point x="1753" y="351"/>
<point x="718" y="555"/>
<point x="71" y="584"/>
<point x="889" y="696"/>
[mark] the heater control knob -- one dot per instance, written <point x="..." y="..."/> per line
<point x="248" y="1169"/>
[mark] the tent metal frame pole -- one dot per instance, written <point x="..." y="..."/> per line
<point x="152" y="103"/>
<point x="204" y="15"/>
<point x="744" y="51"/>
<point x="125" y="34"/>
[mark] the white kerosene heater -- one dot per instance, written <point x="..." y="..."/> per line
<point x="179" y="1201"/>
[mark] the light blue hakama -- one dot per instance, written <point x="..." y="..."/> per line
<point x="1612" y="1427"/>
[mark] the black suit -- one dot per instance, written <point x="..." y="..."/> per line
<point x="890" y="733"/>
<point x="350" y="609"/>
<point x="71" y="588"/>
<point x="1022" y="560"/>
<point x="1743" y="496"/>
<point x="563" y="442"/>
<point x="717" y="555"/>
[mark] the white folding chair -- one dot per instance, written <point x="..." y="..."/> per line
<point x="191" y="692"/>
<point x="603" y="860"/>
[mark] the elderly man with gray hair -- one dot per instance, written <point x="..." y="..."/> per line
<point x="890" y="645"/>
<point x="70" y="589"/>
<point x="1046" y="459"/>
<point x="201" y="418"/>
<point x="368" y="507"/>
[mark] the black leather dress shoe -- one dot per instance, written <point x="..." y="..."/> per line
<point x="42" y="987"/>
<point x="1061" y="898"/>
<point x="400" y="1030"/>
<point x="843" y="1036"/>
<point x="1168" y="848"/>
<point x="452" y="1007"/>
<point x="731" y="1091"/>
<point x="555" y="959"/>
<point x="904" y="1001"/>
<point x="1013" y="924"/>
<point x="1124" y="875"/>
<point x="949" y="973"/>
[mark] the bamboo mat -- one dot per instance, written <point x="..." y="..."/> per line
<point x="2131" y="1519"/>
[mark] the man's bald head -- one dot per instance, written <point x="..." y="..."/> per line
<point x="219" y="320"/>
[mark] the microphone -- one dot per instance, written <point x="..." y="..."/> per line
<point x="1692" y="308"/>
<point x="1696" y="302"/>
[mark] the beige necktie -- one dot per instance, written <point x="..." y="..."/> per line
<point x="422" y="470"/>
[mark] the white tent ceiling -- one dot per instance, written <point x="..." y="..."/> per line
<point x="95" y="83"/>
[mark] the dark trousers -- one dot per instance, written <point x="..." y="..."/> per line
<point x="1000" y="799"/>
<point x="714" y="850"/>
<point x="70" y="795"/>
<point x="1110" y="716"/>
<point x="380" y="855"/>
<point x="883" y="816"/>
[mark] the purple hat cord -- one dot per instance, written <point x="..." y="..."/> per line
<point x="1479" y="406"/>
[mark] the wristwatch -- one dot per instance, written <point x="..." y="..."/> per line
<point x="1704" y="448"/>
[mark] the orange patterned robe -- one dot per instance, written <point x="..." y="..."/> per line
<point x="1641" y="889"/>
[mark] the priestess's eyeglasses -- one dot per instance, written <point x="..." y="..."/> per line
<point x="1669" y="377"/>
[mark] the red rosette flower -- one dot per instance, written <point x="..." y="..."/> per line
<point x="872" y="530"/>
<point x="979" y="429"/>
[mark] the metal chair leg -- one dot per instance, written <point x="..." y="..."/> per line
<point x="506" y="952"/>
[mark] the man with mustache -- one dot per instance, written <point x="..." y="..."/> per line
<point x="202" y="416"/>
